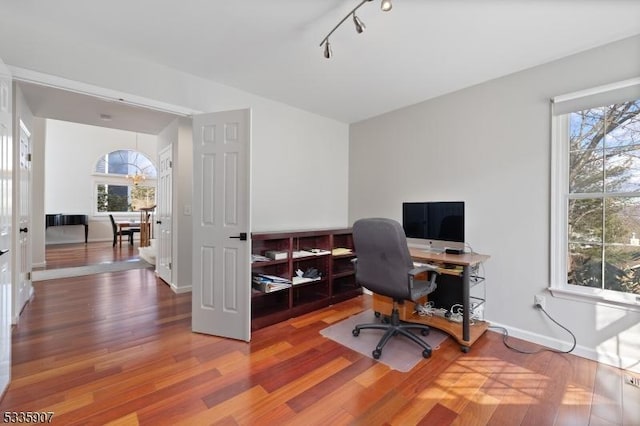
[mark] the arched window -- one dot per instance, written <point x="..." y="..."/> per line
<point x="125" y="181"/>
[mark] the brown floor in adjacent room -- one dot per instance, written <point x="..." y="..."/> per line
<point x="81" y="254"/>
<point x="118" y="347"/>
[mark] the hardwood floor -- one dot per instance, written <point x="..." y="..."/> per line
<point x="117" y="348"/>
<point x="81" y="254"/>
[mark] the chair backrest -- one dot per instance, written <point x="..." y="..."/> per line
<point x="113" y="224"/>
<point x="383" y="257"/>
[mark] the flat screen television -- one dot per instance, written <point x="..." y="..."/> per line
<point x="435" y="225"/>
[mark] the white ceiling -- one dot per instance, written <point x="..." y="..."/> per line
<point x="419" y="50"/>
<point x="48" y="102"/>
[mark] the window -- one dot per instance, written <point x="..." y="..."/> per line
<point x="124" y="182"/>
<point x="596" y="194"/>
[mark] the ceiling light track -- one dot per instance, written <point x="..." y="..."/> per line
<point x="385" y="5"/>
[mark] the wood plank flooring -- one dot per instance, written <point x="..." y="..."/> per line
<point x="81" y="254"/>
<point x="117" y="348"/>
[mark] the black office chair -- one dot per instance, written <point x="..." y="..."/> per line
<point x="116" y="232"/>
<point x="384" y="266"/>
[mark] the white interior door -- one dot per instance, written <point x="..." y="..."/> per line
<point x="164" y="216"/>
<point x="22" y="287"/>
<point x="6" y="160"/>
<point x="221" y="294"/>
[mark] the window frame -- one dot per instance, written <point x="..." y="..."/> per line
<point x="100" y="178"/>
<point x="560" y="196"/>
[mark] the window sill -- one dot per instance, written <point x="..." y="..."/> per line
<point x="599" y="297"/>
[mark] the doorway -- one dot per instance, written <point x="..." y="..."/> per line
<point x="54" y="103"/>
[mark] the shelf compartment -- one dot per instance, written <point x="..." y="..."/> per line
<point x="342" y="266"/>
<point x="267" y="304"/>
<point x="307" y="242"/>
<point x="342" y="240"/>
<point x="344" y="283"/>
<point x="343" y="274"/>
<point x="311" y="292"/>
<point x="344" y="287"/>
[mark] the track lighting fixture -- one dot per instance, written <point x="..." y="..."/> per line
<point x="358" y="23"/>
<point x="327" y="49"/>
<point x="385" y="6"/>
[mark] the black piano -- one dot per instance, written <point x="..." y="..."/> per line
<point x="68" y="219"/>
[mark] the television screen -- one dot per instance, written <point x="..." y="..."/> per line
<point x="442" y="220"/>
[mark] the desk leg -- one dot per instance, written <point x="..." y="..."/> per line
<point x="465" y="307"/>
<point x="121" y="237"/>
<point x="86" y="233"/>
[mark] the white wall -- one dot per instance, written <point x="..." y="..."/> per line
<point x="71" y="152"/>
<point x="489" y="146"/>
<point x="299" y="159"/>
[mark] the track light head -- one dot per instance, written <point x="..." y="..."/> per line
<point x="327" y="50"/>
<point x="359" y="24"/>
<point x="385" y="6"/>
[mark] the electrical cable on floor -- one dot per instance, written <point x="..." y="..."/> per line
<point x="506" y="336"/>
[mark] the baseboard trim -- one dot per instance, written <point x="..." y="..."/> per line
<point x="610" y="359"/>
<point x="179" y="290"/>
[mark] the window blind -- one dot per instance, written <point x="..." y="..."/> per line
<point x="598" y="96"/>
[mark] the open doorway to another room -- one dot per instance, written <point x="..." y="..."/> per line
<point x="82" y="139"/>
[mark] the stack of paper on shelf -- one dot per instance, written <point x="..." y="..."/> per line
<point x="302" y="280"/>
<point x="309" y="252"/>
<point x="276" y="254"/>
<point x="339" y="251"/>
<point x="269" y="283"/>
<point x="301" y="253"/>
<point x="259" y="258"/>
<point x="317" y="251"/>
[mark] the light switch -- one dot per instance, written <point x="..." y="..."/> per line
<point x="187" y="209"/>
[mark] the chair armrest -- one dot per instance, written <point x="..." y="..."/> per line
<point x="420" y="288"/>
<point x="423" y="267"/>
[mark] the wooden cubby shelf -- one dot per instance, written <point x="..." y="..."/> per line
<point x="337" y="283"/>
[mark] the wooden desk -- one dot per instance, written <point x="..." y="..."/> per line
<point x="463" y="332"/>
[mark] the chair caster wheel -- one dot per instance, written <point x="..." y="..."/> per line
<point x="424" y="332"/>
<point x="465" y="349"/>
<point x="426" y="353"/>
<point x="377" y="314"/>
<point x="355" y="332"/>
<point x="376" y="354"/>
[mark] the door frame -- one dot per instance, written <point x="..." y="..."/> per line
<point x="35" y="77"/>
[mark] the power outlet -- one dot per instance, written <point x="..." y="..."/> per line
<point x="539" y="301"/>
<point x="631" y="380"/>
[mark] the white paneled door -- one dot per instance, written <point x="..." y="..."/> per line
<point x="221" y="293"/>
<point x="5" y="225"/>
<point x="164" y="216"/>
<point x="23" y="288"/>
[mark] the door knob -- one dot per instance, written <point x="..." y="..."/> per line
<point x="4" y="251"/>
<point x="25" y="229"/>
<point x="242" y="236"/>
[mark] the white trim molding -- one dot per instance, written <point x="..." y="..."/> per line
<point x="35" y="77"/>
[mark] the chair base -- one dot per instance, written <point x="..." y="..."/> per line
<point x="393" y="328"/>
